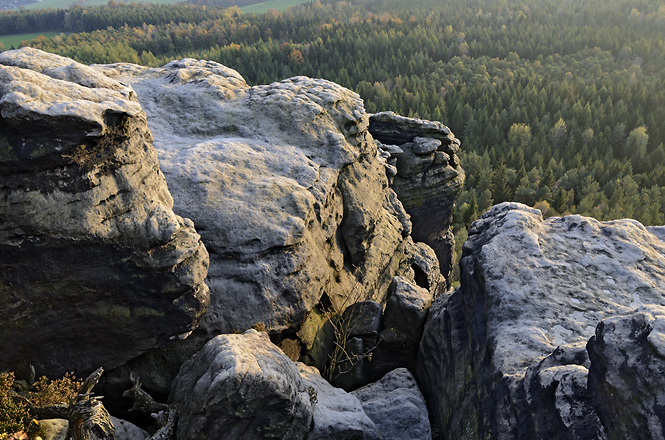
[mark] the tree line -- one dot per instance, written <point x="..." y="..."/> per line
<point x="558" y="104"/>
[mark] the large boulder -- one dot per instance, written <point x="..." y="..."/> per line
<point x="396" y="406"/>
<point x="285" y="186"/>
<point x="426" y="175"/>
<point x="241" y="387"/>
<point x="95" y="267"/>
<point x="337" y="414"/>
<point x="406" y="311"/>
<point x="504" y="356"/>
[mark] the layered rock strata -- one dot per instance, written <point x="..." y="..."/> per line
<point x="95" y="267"/>
<point x="426" y="175"/>
<point x="532" y="346"/>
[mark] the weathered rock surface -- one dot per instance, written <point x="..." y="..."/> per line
<point x="426" y="174"/>
<point x="125" y="430"/>
<point x="626" y="380"/>
<point x="284" y="184"/>
<point x="396" y="406"/>
<point x="407" y="308"/>
<point x="241" y="387"/>
<point x="337" y="414"/>
<point x="510" y="341"/>
<point x="95" y="267"/>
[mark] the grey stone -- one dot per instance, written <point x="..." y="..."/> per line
<point x="428" y="179"/>
<point x="425" y="146"/>
<point x="95" y="267"/>
<point x="404" y="320"/>
<point x="337" y="414"/>
<point x="241" y="387"/>
<point x="529" y="286"/>
<point x="363" y="318"/>
<point x="658" y="231"/>
<point x="396" y="406"/>
<point x="626" y="379"/>
<point x="125" y="430"/>
<point x="299" y="150"/>
<point x="391" y="128"/>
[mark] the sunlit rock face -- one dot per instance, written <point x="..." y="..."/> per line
<point x="508" y="354"/>
<point x="95" y="267"/>
<point x="285" y="185"/>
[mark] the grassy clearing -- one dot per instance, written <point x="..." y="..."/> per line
<point x="278" y="5"/>
<point x="15" y="40"/>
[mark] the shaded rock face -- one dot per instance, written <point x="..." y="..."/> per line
<point x="504" y="356"/>
<point x="404" y="319"/>
<point x="626" y="379"/>
<point x="426" y="175"/>
<point x="337" y="415"/>
<point x="241" y="387"/>
<point x="95" y="267"/>
<point x="396" y="406"/>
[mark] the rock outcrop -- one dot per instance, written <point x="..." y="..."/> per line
<point x="507" y="355"/>
<point x="285" y="186"/>
<point x="95" y="267"/>
<point x="337" y="414"/>
<point x="241" y="387"/>
<point x="396" y="406"/>
<point x="426" y="175"/>
<point x="626" y="381"/>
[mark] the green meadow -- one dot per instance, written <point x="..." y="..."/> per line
<point x="15" y="40"/>
<point x="278" y="5"/>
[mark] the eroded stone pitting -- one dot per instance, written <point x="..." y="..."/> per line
<point x="283" y="182"/>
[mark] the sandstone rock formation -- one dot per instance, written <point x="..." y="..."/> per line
<point x="396" y="406"/>
<point x="337" y="414"/>
<point x="426" y="174"/>
<point x="285" y="186"/>
<point x="508" y="355"/>
<point x="241" y="387"/>
<point x="626" y="381"/>
<point x="95" y="268"/>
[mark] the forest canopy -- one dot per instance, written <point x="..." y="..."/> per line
<point x="559" y="105"/>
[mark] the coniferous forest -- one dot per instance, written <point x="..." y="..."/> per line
<point x="559" y="104"/>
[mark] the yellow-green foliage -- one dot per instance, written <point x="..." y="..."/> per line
<point x="51" y="392"/>
<point x="13" y="414"/>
